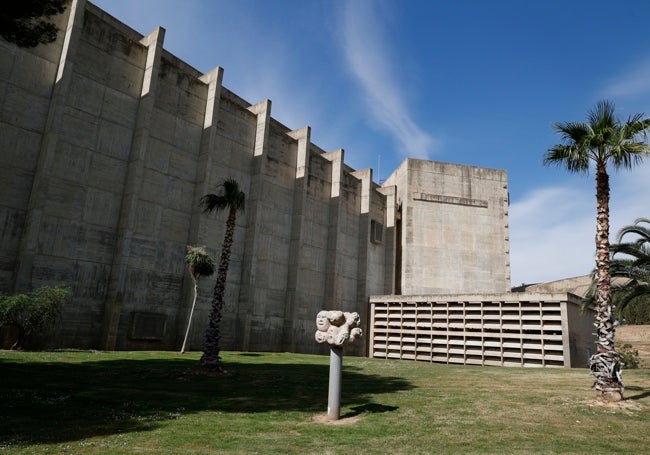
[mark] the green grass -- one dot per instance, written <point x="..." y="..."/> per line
<point x="82" y="402"/>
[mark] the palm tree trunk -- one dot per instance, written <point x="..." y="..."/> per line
<point x="604" y="363"/>
<point x="189" y="321"/>
<point x="20" y="337"/>
<point x="211" y="360"/>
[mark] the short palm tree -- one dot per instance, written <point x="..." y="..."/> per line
<point x="200" y="264"/>
<point x="229" y="197"/>
<point x="635" y="264"/>
<point x="600" y="142"/>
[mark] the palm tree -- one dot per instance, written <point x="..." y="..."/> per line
<point x="229" y="197"/>
<point x="200" y="264"/>
<point x="603" y="140"/>
<point x="635" y="266"/>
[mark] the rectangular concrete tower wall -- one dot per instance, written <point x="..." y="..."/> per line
<point x="454" y="235"/>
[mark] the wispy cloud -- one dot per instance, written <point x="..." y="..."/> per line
<point x="367" y="52"/>
<point x="552" y="229"/>
<point x="634" y="82"/>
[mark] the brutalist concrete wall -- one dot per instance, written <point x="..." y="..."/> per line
<point x="107" y="160"/>
<point x="26" y="85"/>
<point x="454" y="235"/>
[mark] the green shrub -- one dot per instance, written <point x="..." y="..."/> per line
<point x="629" y="356"/>
<point x="32" y="313"/>
<point x="636" y="312"/>
<point x="199" y="261"/>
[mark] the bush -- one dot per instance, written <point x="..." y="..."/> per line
<point x="636" y="312"/>
<point x="629" y="356"/>
<point x="32" y="313"/>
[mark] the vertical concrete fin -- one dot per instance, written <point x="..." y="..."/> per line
<point x="132" y="189"/>
<point x="391" y="237"/>
<point x="154" y="42"/>
<point x="391" y="203"/>
<point x="303" y="136"/>
<point x="333" y="285"/>
<point x="213" y="79"/>
<point x="71" y="39"/>
<point x="365" y="175"/>
<point x="336" y="157"/>
<point x="295" y="279"/>
<point x="263" y="112"/>
<point x="204" y="167"/>
<point x="248" y="296"/>
<point x="47" y="154"/>
<point x="207" y="151"/>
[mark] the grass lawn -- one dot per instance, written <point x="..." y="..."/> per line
<point x="82" y="402"/>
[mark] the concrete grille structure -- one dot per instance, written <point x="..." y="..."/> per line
<point x="107" y="143"/>
<point x="527" y="330"/>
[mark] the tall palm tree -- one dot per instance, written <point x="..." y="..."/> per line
<point x="200" y="264"/>
<point x="635" y="265"/>
<point x="603" y="140"/>
<point x="229" y="197"/>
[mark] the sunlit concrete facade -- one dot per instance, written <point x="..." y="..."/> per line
<point x="107" y="143"/>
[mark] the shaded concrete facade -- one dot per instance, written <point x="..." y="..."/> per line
<point x="107" y="143"/>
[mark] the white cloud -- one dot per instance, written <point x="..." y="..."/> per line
<point x="551" y="234"/>
<point x="552" y="229"/>
<point x="367" y="52"/>
<point x="635" y="82"/>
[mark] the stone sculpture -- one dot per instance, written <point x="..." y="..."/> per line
<point x="337" y="328"/>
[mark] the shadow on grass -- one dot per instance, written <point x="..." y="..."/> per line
<point x="57" y="402"/>
<point x="369" y="408"/>
<point x="641" y="392"/>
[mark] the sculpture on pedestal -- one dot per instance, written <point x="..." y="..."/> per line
<point x="336" y="328"/>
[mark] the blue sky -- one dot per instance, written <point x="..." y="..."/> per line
<point x="470" y="81"/>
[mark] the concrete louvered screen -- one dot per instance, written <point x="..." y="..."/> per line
<point x="503" y="330"/>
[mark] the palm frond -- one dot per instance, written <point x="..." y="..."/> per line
<point x="199" y="261"/>
<point x="228" y="196"/>
<point x="574" y="132"/>
<point x="630" y="294"/>
<point x="213" y="203"/>
<point x="575" y="159"/>
<point x="602" y="116"/>
<point x="602" y="139"/>
<point x="635" y="265"/>
<point x="637" y="229"/>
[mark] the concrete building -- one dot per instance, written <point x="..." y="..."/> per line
<point x="452" y="227"/>
<point x="510" y="329"/>
<point x="107" y="142"/>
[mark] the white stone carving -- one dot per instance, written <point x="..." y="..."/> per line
<point x="337" y="328"/>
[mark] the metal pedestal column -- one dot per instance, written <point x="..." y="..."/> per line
<point x="334" y="396"/>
